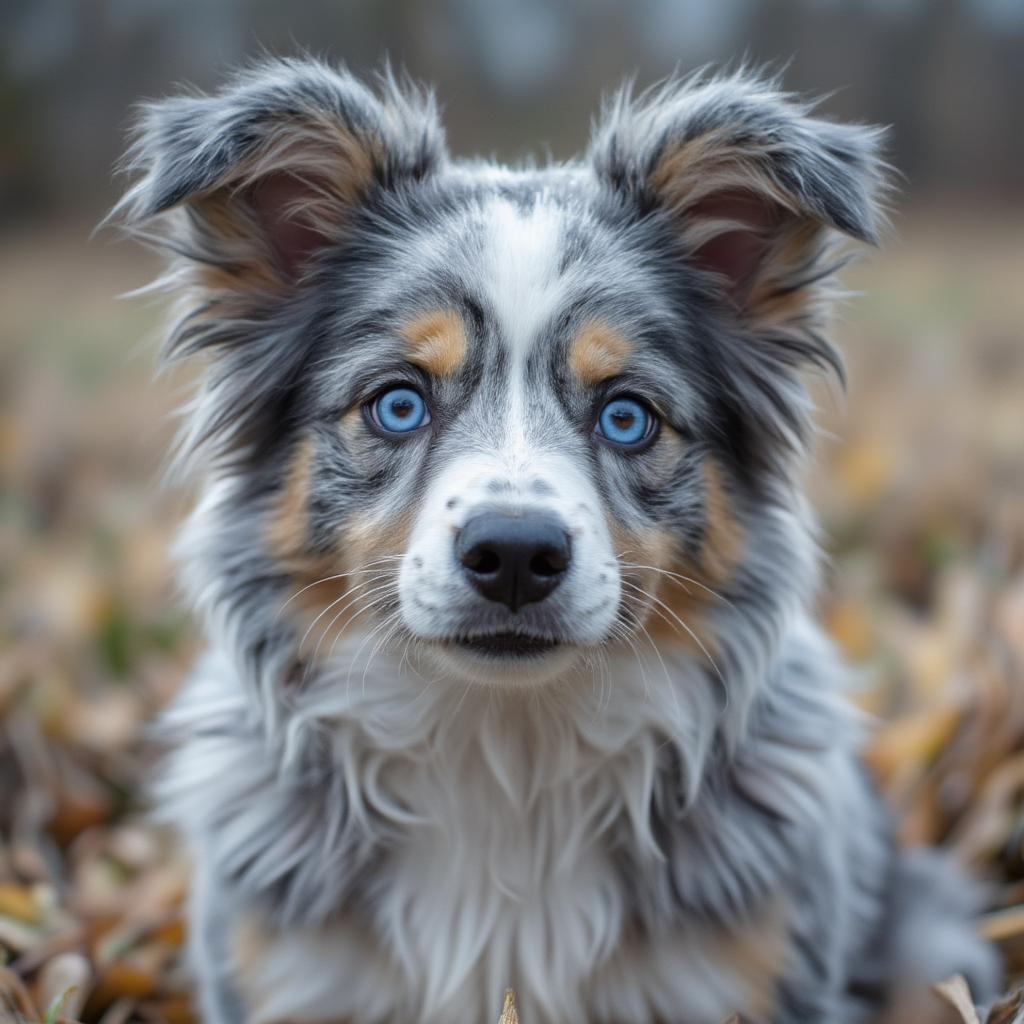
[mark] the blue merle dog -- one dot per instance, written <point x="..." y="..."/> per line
<point x="505" y="569"/>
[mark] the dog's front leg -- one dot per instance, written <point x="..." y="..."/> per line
<point x="209" y="948"/>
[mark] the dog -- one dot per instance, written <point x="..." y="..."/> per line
<point x="505" y="568"/>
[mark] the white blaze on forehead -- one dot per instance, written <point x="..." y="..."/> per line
<point x="520" y="269"/>
<point x="525" y="289"/>
<point x="526" y="456"/>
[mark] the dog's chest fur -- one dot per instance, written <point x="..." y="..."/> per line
<point x="493" y="839"/>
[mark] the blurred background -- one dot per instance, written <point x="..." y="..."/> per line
<point x="919" y="475"/>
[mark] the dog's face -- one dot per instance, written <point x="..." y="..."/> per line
<point x="510" y="417"/>
<point x="524" y="417"/>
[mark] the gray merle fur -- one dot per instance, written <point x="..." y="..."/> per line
<point x="662" y="799"/>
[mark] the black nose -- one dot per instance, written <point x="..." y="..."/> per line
<point x="514" y="559"/>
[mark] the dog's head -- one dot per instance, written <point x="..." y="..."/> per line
<point x="508" y="417"/>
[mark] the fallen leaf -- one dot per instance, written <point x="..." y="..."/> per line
<point x="172" y="1010"/>
<point x="20" y="903"/>
<point x="957" y="995"/>
<point x="64" y="982"/>
<point x="120" y="980"/>
<point x="509" y="1013"/>
<point x="15" y="998"/>
<point x="1008" y="1011"/>
<point x="1001" y="925"/>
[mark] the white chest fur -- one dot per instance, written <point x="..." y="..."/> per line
<point x="498" y="821"/>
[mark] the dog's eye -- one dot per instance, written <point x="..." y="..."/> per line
<point x="625" y="422"/>
<point x="400" y="411"/>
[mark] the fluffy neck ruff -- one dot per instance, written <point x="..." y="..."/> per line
<point x="535" y="830"/>
<point x="505" y="821"/>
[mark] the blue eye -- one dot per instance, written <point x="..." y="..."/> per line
<point x="625" y="421"/>
<point x="400" y="411"/>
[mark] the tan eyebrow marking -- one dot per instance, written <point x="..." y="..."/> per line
<point x="436" y="341"/>
<point x="598" y="352"/>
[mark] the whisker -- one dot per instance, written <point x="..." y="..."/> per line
<point x="664" y="667"/>
<point x="603" y="668"/>
<point x="640" y="664"/>
<point x="353" y="594"/>
<point x="696" y="639"/>
<point x="363" y="570"/>
<point x="384" y="592"/>
<point x="375" y="631"/>
<point x="681" y="579"/>
<point x="405" y="660"/>
<point x="465" y="694"/>
<point x="384" y="631"/>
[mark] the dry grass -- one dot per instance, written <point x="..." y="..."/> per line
<point x="921" y="493"/>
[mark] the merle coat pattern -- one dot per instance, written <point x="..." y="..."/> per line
<point x="637" y="799"/>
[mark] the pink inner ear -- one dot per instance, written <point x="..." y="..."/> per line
<point x="736" y="254"/>
<point x="275" y="199"/>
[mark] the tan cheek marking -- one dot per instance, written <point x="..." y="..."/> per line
<point x="436" y="342"/>
<point x="598" y="352"/>
<point x="723" y="546"/>
<point x="365" y="566"/>
<point x="669" y="608"/>
<point x="370" y="547"/>
<point x="367" y="540"/>
<point x="681" y="616"/>
<point x="289" y="526"/>
<point x="313" y="582"/>
<point x="676" y="606"/>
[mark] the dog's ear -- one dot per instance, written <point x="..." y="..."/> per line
<point x="755" y="184"/>
<point x="269" y="170"/>
<point x="246" y="189"/>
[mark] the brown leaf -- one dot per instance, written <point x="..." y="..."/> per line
<point x="121" y="980"/>
<point x="62" y="942"/>
<point x="1003" y="925"/>
<point x="20" y="903"/>
<point x="914" y="740"/>
<point x="15" y="999"/>
<point x="992" y="815"/>
<point x="1009" y="1010"/>
<point x="172" y="1010"/>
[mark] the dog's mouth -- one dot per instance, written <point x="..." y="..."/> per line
<point x="505" y="646"/>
